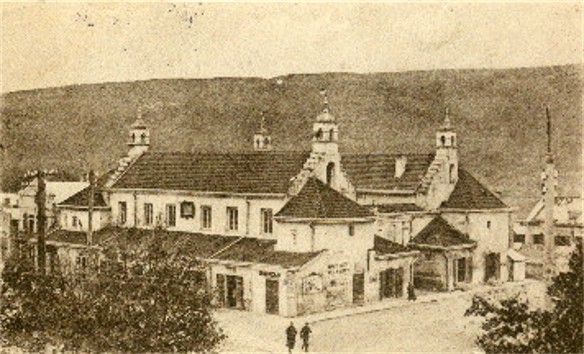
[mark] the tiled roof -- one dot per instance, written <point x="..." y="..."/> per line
<point x="383" y="246"/>
<point x="81" y="198"/>
<point x="189" y="244"/>
<point x="264" y="172"/>
<point x="317" y="200"/>
<point x="440" y="233"/>
<point x="262" y="251"/>
<point x="377" y="171"/>
<point x="396" y="208"/>
<point x="471" y="194"/>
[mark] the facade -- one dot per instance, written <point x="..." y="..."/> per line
<point x="292" y="233"/>
<point x="529" y="234"/>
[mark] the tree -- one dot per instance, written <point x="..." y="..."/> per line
<point x="163" y="309"/>
<point x="510" y="325"/>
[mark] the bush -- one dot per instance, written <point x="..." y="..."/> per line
<point x="160" y="311"/>
<point x="511" y="327"/>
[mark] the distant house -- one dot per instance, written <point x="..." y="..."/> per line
<point x="292" y="233"/>
<point x="529" y="237"/>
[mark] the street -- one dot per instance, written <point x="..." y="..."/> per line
<point x="436" y="325"/>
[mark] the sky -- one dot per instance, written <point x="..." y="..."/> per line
<point x="46" y="44"/>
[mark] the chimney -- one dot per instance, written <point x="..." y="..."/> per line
<point x="400" y="166"/>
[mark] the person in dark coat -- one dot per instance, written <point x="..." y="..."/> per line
<point x="290" y="337"/>
<point x="411" y="292"/>
<point x="305" y="335"/>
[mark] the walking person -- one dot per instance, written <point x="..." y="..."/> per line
<point x="305" y="335"/>
<point x="411" y="292"/>
<point x="290" y="337"/>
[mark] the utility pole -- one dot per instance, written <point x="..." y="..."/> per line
<point x="41" y="204"/>
<point x="549" y="190"/>
<point x="90" y="207"/>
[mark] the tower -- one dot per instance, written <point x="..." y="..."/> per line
<point x="325" y="131"/>
<point x="139" y="141"/>
<point x="549" y="191"/>
<point x="446" y="147"/>
<point x="262" y="141"/>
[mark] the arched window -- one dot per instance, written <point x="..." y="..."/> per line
<point x="330" y="173"/>
<point x="266" y="141"/>
<point x="143" y="137"/>
<point x="319" y="134"/>
<point x="443" y="140"/>
<point x="331" y="134"/>
<point x="133" y="137"/>
<point x="257" y="142"/>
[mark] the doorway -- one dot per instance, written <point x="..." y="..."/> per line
<point x="358" y="288"/>
<point x="492" y="266"/>
<point x="272" y="296"/>
<point x="234" y="292"/>
<point x="391" y="283"/>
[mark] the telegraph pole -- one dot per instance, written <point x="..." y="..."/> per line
<point x="90" y="205"/>
<point x="41" y="204"/>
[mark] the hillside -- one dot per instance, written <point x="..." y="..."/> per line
<point x="498" y="115"/>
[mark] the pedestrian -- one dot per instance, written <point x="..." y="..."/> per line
<point x="290" y="337"/>
<point x="411" y="292"/>
<point x="305" y="335"/>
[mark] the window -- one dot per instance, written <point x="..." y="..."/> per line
<point x="6" y="202"/>
<point x="187" y="210"/>
<point x="206" y="217"/>
<point x="451" y="173"/>
<point x="562" y="240"/>
<point x="519" y="238"/>
<point x="330" y="173"/>
<point x="294" y="237"/>
<point x="266" y="221"/>
<point x="82" y="262"/>
<point x="319" y="134"/>
<point x="538" y="239"/>
<point x="74" y="221"/>
<point x="488" y="224"/>
<point x="148" y="214"/>
<point x="443" y="140"/>
<point x="351" y="230"/>
<point x="232" y="218"/>
<point x="171" y="215"/>
<point x="123" y="210"/>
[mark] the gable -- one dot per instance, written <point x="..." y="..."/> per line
<point x="469" y="193"/>
<point x="441" y="234"/>
<point x="317" y="200"/>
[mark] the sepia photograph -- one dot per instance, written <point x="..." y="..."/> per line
<point x="290" y="177"/>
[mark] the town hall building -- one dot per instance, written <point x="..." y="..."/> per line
<point x="293" y="233"/>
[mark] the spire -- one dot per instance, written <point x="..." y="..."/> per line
<point x="262" y="141"/>
<point x="325" y="116"/>
<point x="446" y="125"/>
<point x="549" y="155"/>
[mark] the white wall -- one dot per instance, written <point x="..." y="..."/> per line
<point x="101" y="218"/>
<point x="493" y="239"/>
<point x="249" y="212"/>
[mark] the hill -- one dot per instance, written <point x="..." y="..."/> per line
<point x="498" y="114"/>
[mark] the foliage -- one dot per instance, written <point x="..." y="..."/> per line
<point x="161" y="310"/>
<point x="512" y="327"/>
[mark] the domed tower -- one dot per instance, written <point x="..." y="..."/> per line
<point x="325" y="131"/>
<point x="139" y="141"/>
<point x="262" y="141"/>
<point x="446" y="147"/>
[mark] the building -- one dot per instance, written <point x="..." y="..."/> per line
<point x="299" y="232"/>
<point x="529" y="234"/>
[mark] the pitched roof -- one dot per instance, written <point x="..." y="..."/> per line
<point x="440" y="233"/>
<point x="317" y="200"/>
<point x="197" y="245"/>
<point x="263" y="172"/>
<point x="81" y="198"/>
<point x="396" y="208"/>
<point x="471" y="194"/>
<point x="383" y="246"/>
<point x="377" y="171"/>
